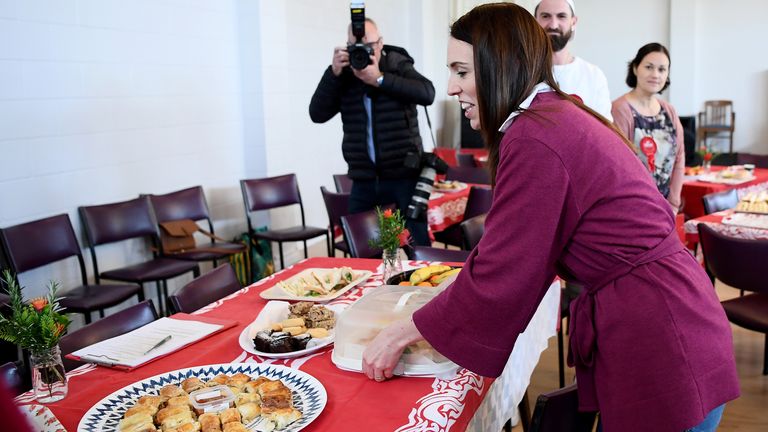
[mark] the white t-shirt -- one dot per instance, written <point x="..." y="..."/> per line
<point x="586" y="81"/>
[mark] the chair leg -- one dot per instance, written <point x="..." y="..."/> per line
<point x="282" y="262"/>
<point x="160" y="305"/>
<point x="140" y="294"/>
<point x="765" y="356"/>
<point x="560" y="362"/>
<point x="525" y="412"/>
<point x="87" y="316"/>
<point x="101" y="313"/>
<point x="305" y="249"/>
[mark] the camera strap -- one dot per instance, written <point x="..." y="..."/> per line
<point x="429" y="123"/>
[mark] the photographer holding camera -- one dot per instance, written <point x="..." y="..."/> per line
<point x="376" y="89"/>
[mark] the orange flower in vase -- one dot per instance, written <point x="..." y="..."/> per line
<point x="392" y="235"/>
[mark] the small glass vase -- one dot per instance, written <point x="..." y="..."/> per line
<point x="393" y="263"/>
<point x="706" y="166"/>
<point x="49" y="380"/>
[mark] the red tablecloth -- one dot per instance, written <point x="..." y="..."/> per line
<point x="446" y="208"/>
<point x="694" y="190"/>
<point x="714" y="220"/>
<point x="354" y="402"/>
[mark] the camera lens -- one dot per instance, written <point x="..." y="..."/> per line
<point x="359" y="56"/>
<point x="420" y="198"/>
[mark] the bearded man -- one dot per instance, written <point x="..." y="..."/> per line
<point x="574" y="75"/>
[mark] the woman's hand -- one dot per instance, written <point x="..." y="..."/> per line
<point x="382" y="354"/>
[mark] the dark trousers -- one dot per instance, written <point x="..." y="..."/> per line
<point x="367" y="194"/>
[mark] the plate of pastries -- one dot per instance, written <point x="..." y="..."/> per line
<point x="316" y="284"/>
<point x="232" y="397"/>
<point x="285" y="330"/>
<point x="753" y="202"/>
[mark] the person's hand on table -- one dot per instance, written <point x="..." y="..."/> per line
<point x="383" y="353"/>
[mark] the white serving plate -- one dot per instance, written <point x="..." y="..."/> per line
<point x="309" y="395"/>
<point x="276" y="311"/>
<point x="276" y="292"/>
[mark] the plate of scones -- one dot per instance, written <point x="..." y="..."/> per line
<point x="232" y="397"/>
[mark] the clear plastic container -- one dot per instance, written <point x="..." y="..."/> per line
<point x="362" y="321"/>
<point x="212" y="399"/>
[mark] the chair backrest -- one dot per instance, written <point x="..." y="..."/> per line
<point x="110" y="326"/>
<point x="717" y="113"/>
<point x="336" y="204"/>
<point x="206" y="289"/>
<point x="465" y="160"/>
<point x="760" y="161"/>
<point x="426" y="253"/>
<point x="717" y="201"/>
<point x="739" y="263"/>
<point x="558" y="411"/>
<point x="187" y="203"/>
<point x="34" y="244"/>
<point x="11" y="377"/>
<point x="114" y="222"/>
<point x="473" y="229"/>
<point x="343" y="183"/>
<point x="358" y="229"/>
<point x="478" y="202"/>
<point x="475" y="175"/>
<point x="270" y="192"/>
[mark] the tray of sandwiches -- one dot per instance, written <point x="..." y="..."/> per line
<point x="233" y="397"/>
<point x="317" y="284"/>
<point x="753" y="202"/>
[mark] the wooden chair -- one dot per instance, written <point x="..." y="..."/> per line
<point x="38" y="243"/>
<point x="358" y="228"/>
<point x="426" y="253"/>
<point x="718" y="201"/>
<point x="272" y="192"/>
<point x="190" y="204"/>
<point x="343" y="183"/>
<point x="717" y="118"/>
<point x="119" y="323"/>
<point x="478" y="202"/>
<point x="337" y="205"/>
<point x="214" y="285"/>
<point x="740" y="263"/>
<point x="126" y="220"/>
<point x="558" y="411"/>
<point x="473" y="229"/>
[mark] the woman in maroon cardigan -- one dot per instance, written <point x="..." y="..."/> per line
<point x="650" y="342"/>
<point x="651" y="123"/>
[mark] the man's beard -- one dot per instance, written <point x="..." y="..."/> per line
<point x="560" y="40"/>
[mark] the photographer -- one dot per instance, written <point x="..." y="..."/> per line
<point x="377" y="102"/>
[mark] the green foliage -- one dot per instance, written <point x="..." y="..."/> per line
<point x="37" y="325"/>
<point x="392" y="231"/>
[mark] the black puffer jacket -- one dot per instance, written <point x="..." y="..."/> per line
<point x="393" y="107"/>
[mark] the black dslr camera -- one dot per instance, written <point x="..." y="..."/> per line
<point x="359" y="53"/>
<point x="430" y="165"/>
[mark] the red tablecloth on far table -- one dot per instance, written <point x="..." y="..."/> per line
<point x="354" y="402"/>
<point x="694" y="190"/>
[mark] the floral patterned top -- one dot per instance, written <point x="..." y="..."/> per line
<point x="661" y="129"/>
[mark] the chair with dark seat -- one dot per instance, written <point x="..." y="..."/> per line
<point x="558" y="411"/>
<point x="337" y="205"/>
<point x="476" y="175"/>
<point x="118" y="323"/>
<point x="465" y="160"/>
<point x="38" y="243"/>
<point x="126" y="220"/>
<point x="272" y="192"/>
<point x="718" y="201"/>
<point x="214" y="285"/>
<point x="358" y="228"/>
<point x="760" y="161"/>
<point x="717" y="118"/>
<point x="343" y="183"/>
<point x="190" y="204"/>
<point x="473" y="229"/>
<point x="426" y="253"/>
<point x="478" y="202"/>
<point x="740" y="263"/>
<point x="10" y="375"/>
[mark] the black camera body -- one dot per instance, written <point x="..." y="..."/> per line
<point x="430" y="165"/>
<point x="359" y="53"/>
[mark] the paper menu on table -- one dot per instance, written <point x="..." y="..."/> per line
<point x="135" y="348"/>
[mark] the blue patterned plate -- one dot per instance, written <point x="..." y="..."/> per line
<point x="309" y="395"/>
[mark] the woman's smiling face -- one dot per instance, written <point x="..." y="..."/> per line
<point x="461" y="82"/>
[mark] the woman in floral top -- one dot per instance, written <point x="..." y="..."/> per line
<point x="651" y="123"/>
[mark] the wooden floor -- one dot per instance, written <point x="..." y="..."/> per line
<point x="746" y="414"/>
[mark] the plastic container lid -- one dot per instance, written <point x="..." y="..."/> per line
<point x="362" y="321"/>
<point x="212" y="399"/>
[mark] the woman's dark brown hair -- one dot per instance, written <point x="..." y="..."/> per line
<point x="512" y="54"/>
<point x="641" y="53"/>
